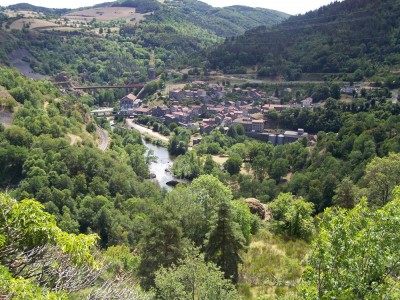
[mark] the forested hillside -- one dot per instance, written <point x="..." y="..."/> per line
<point x="317" y="218"/>
<point x="359" y="38"/>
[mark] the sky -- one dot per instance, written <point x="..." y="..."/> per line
<point x="288" y="6"/>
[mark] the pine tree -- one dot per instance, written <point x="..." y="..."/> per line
<point x="160" y="247"/>
<point x="224" y="243"/>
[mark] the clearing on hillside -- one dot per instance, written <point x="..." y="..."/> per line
<point x="106" y="14"/>
<point x="33" y="24"/>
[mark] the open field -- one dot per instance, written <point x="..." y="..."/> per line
<point x="106" y="14"/>
<point x="25" y="13"/>
<point x="33" y="23"/>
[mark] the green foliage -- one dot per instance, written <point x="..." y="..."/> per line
<point x="246" y="220"/>
<point x="292" y="216"/>
<point x="356" y="254"/>
<point x="211" y="192"/>
<point x="233" y="164"/>
<point x="272" y="266"/>
<point x="161" y="246"/>
<point x="187" y="166"/>
<point x="382" y="175"/>
<point x="91" y="127"/>
<point x="19" y="288"/>
<point x="26" y="234"/>
<point x="192" y="278"/>
<point x="320" y="41"/>
<point x="178" y="143"/>
<point x="224" y="243"/>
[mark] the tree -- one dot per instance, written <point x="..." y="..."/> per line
<point x="187" y="166"/>
<point x="345" y="194"/>
<point x="193" y="278"/>
<point x="382" y="175"/>
<point x="91" y="127"/>
<point x="209" y="165"/>
<point x="160" y="246"/>
<point x="33" y="247"/>
<point x="292" y="216"/>
<point x="335" y="91"/>
<point x="279" y="168"/>
<point x="233" y="164"/>
<point x="232" y="132"/>
<point x="210" y="192"/>
<point x="224" y="243"/>
<point x="356" y="254"/>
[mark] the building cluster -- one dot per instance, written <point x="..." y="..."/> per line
<point x="205" y="110"/>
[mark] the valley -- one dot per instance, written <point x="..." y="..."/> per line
<point x="157" y="150"/>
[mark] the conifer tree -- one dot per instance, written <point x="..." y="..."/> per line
<point x="225" y="241"/>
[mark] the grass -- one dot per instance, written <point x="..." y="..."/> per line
<point x="272" y="266"/>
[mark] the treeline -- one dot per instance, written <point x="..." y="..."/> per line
<point x="350" y="38"/>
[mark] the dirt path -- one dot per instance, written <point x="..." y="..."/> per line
<point x="104" y="139"/>
<point x="6" y="118"/>
<point x="156" y="135"/>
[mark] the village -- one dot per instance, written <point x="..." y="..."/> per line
<point x="206" y="106"/>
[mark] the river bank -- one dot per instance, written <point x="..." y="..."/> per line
<point x="132" y="125"/>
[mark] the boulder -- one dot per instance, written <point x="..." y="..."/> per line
<point x="259" y="209"/>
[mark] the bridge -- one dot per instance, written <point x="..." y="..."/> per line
<point x="97" y="87"/>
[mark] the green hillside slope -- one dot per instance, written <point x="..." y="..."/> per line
<point x="352" y="36"/>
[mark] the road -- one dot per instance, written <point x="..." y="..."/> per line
<point x="156" y="135"/>
<point x="104" y="139"/>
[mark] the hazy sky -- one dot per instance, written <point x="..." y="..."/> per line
<point x="288" y="6"/>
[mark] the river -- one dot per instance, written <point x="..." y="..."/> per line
<point x="164" y="162"/>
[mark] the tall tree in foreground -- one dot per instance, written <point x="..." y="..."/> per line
<point x="161" y="246"/>
<point x="193" y="278"/>
<point x="357" y="254"/>
<point x="225" y="241"/>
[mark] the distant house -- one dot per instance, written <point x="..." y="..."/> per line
<point x="129" y="102"/>
<point x="227" y="121"/>
<point x="237" y="90"/>
<point x="307" y="102"/>
<point x="160" y="111"/>
<point x="170" y="119"/>
<point x="143" y="111"/>
<point x="205" y="128"/>
<point x="198" y="110"/>
<point x="277" y="107"/>
<point x="182" y="117"/>
<point x="176" y="94"/>
<point x="245" y="122"/>
<point x="257" y="125"/>
<point x="349" y="89"/>
<point x="201" y="93"/>
<point x="199" y="83"/>
<point x="292" y="136"/>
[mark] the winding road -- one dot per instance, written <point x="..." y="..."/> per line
<point x="104" y="139"/>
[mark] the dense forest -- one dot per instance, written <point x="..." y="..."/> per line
<point x="314" y="219"/>
<point x="353" y="39"/>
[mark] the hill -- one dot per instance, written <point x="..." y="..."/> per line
<point x="357" y="37"/>
<point x="80" y="41"/>
<point x="39" y="9"/>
